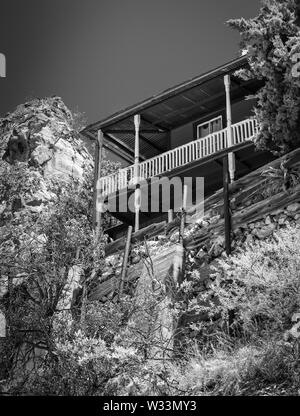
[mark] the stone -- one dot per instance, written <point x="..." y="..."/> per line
<point x="202" y="256"/>
<point x="268" y="220"/>
<point x="43" y="137"/>
<point x="174" y="238"/>
<point x="118" y="270"/>
<point x="136" y="260"/>
<point x="265" y="232"/>
<point x="105" y="275"/>
<point x="41" y="154"/>
<point x="215" y="219"/>
<point x="162" y="238"/>
<point x="277" y="212"/>
<point x="39" y="133"/>
<point x="282" y="220"/>
<point x="249" y="239"/>
<point x="293" y="207"/>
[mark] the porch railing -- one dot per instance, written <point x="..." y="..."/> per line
<point x="180" y="156"/>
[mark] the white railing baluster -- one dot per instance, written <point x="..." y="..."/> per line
<point x="182" y="155"/>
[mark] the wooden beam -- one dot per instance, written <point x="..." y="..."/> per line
<point x="114" y="147"/>
<point x="154" y="124"/>
<point x="137" y="197"/>
<point x="227" y="219"/>
<point x="96" y="166"/>
<point x="203" y="103"/>
<point x="131" y="131"/>
<point x="121" y="144"/>
<point x="99" y="205"/>
<point x="158" y="148"/>
<point x="231" y="159"/>
<point x="171" y="92"/>
<point x="183" y="214"/>
<point x="119" y="153"/>
<point x="170" y="215"/>
<point x="111" y="132"/>
<point x="125" y="261"/>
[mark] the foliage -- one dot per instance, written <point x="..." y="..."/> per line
<point x="122" y="347"/>
<point x="106" y="355"/>
<point x="262" y="284"/>
<point x="259" y="347"/>
<point x="38" y="249"/>
<point x="272" y="40"/>
<point x="280" y="179"/>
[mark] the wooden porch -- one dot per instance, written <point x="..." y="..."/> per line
<point x="160" y="137"/>
<point x="199" y="150"/>
<point x="200" y="158"/>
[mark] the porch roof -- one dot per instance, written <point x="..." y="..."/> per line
<point x="171" y="109"/>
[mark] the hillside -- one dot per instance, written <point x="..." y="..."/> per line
<point x="177" y="326"/>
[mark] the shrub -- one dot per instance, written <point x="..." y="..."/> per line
<point x="272" y="41"/>
<point x="262" y="284"/>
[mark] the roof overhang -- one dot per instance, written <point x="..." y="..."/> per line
<point x="171" y="109"/>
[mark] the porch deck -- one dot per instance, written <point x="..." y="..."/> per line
<point x="194" y="151"/>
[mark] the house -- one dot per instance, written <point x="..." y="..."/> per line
<point x="183" y="132"/>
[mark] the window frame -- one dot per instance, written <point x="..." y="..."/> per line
<point x="208" y="121"/>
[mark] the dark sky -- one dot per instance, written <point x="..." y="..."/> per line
<point x="103" y="55"/>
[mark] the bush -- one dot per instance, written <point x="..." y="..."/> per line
<point x="272" y="41"/>
<point x="262" y="284"/>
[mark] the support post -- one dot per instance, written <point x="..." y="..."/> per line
<point x="137" y="198"/>
<point x="99" y="203"/>
<point x="231" y="157"/>
<point x="227" y="219"/>
<point x="125" y="261"/>
<point x="170" y="215"/>
<point x="96" y="165"/>
<point x="183" y="213"/>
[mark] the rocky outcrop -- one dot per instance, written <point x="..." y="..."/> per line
<point x="40" y="133"/>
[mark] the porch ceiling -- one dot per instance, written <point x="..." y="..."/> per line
<point x="173" y="108"/>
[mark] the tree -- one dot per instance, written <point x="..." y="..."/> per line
<point x="39" y="248"/>
<point x="272" y="40"/>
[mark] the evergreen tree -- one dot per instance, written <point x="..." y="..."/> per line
<point x="273" y="41"/>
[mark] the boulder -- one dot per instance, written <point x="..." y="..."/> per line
<point x="265" y="232"/>
<point x="40" y="133"/>
<point x="293" y="207"/>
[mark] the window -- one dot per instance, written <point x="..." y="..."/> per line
<point x="209" y="127"/>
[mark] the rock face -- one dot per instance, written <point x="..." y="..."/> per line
<point x="41" y="134"/>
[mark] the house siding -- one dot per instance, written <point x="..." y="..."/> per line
<point x="185" y="134"/>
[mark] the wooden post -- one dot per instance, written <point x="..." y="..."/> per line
<point x="99" y="205"/>
<point x="125" y="261"/>
<point x="183" y="213"/>
<point x="96" y="166"/>
<point x="137" y="200"/>
<point x="231" y="157"/>
<point x="227" y="219"/>
<point x="170" y="215"/>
